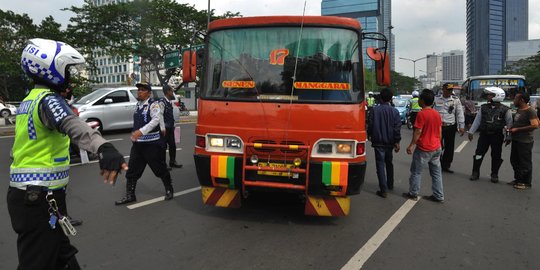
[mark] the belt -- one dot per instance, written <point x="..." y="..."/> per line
<point x="447" y="124"/>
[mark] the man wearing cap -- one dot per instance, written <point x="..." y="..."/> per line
<point x="453" y="119"/>
<point x="168" y="121"/>
<point x="148" y="146"/>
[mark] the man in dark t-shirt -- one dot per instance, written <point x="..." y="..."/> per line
<point x="525" y="121"/>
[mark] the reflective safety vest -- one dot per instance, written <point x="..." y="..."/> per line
<point x="370" y="101"/>
<point x="415" y="107"/>
<point x="493" y="117"/>
<point x="40" y="155"/>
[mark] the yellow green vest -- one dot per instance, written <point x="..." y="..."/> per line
<point x="415" y="107"/>
<point x="40" y="155"/>
<point x="370" y="101"/>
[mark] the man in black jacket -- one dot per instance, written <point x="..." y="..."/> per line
<point x="384" y="131"/>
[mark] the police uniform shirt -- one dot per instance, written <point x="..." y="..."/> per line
<point x="155" y="114"/>
<point x="450" y="109"/>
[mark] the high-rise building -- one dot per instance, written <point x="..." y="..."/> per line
<point x="490" y="25"/>
<point x="452" y="66"/>
<point x="374" y="15"/>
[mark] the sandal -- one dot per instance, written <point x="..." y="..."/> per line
<point x="521" y="186"/>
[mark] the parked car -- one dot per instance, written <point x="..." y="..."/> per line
<point x="7" y="110"/>
<point x="402" y="105"/>
<point x="112" y="108"/>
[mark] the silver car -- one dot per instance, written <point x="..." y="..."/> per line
<point x="113" y="108"/>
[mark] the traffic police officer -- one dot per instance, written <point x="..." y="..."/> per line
<point x="453" y="118"/>
<point x="491" y="121"/>
<point x="40" y="169"/>
<point x="148" y="145"/>
<point x="414" y="107"/>
<point x="168" y="125"/>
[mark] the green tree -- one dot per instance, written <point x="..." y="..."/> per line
<point x="142" y="29"/>
<point x="400" y="83"/>
<point x="530" y="68"/>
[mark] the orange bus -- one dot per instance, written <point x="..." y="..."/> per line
<point x="282" y="107"/>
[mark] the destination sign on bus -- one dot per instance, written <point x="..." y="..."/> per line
<point x="499" y="82"/>
<point x="322" y="85"/>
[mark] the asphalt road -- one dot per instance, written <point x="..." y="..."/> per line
<point x="481" y="225"/>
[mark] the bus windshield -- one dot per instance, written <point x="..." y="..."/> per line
<point x="260" y="63"/>
<point x="510" y="85"/>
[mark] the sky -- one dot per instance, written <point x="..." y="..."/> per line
<point x="421" y="27"/>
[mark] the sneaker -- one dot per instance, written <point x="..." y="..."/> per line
<point x="410" y="197"/>
<point x="433" y="199"/>
<point x="381" y="194"/>
<point x="522" y="186"/>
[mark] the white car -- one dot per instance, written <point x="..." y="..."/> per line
<point x="112" y="108"/>
<point x="7" y="110"/>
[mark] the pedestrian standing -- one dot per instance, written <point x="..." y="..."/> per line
<point x="453" y="119"/>
<point x="525" y="121"/>
<point x="492" y="120"/>
<point x="39" y="172"/>
<point x="385" y="135"/>
<point x="427" y="138"/>
<point x="148" y="146"/>
<point x="168" y="119"/>
<point x="470" y="110"/>
<point x="414" y="107"/>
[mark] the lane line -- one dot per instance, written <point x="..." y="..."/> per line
<point x="113" y="140"/>
<point x="461" y="146"/>
<point x="162" y="198"/>
<point x="358" y="260"/>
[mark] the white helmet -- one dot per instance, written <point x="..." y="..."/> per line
<point x="415" y="93"/>
<point x="370" y="93"/>
<point x="49" y="60"/>
<point x="498" y="93"/>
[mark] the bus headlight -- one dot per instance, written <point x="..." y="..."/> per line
<point x="335" y="148"/>
<point x="344" y="148"/>
<point x="224" y="143"/>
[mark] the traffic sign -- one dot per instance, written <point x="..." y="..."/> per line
<point x="172" y="59"/>
<point x="193" y="48"/>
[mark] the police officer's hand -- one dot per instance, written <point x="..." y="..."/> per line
<point x="461" y="131"/>
<point x="135" y="135"/>
<point x="471" y="136"/>
<point x="110" y="162"/>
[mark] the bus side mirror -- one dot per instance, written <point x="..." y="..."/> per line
<point x="382" y="65"/>
<point x="189" y="66"/>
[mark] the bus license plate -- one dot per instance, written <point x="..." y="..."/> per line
<point x="276" y="165"/>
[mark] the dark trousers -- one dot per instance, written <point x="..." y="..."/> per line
<point x="169" y="139"/>
<point x="521" y="160"/>
<point x="39" y="246"/>
<point x="447" y="141"/>
<point x="152" y="154"/>
<point x="485" y="141"/>
<point x="385" y="167"/>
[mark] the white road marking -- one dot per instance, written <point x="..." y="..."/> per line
<point x="358" y="260"/>
<point x="461" y="146"/>
<point x="113" y="140"/>
<point x="162" y="198"/>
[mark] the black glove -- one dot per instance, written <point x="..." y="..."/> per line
<point x="109" y="158"/>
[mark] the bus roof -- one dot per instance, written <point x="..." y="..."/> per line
<point x="485" y="77"/>
<point x="283" y="21"/>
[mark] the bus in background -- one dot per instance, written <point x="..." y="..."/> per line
<point x="474" y="87"/>
<point x="281" y="108"/>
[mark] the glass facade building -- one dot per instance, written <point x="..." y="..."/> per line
<point x="490" y="25"/>
<point x="373" y="15"/>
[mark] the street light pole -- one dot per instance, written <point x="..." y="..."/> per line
<point x="414" y="63"/>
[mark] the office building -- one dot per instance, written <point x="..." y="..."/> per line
<point x="518" y="50"/>
<point x="452" y="66"/>
<point x="374" y="15"/>
<point x="490" y="25"/>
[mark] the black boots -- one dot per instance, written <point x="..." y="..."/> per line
<point x="169" y="191"/>
<point x="476" y="168"/>
<point x="130" y="193"/>
<point x="495" y="165"/>
<point x="173" y="164"/>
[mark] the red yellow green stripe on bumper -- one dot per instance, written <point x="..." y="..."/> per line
<point x="335" y="173"/>
<point x="221" y="197"/>
<point x="222" y="167"/>
<point x="327" y="206"/>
